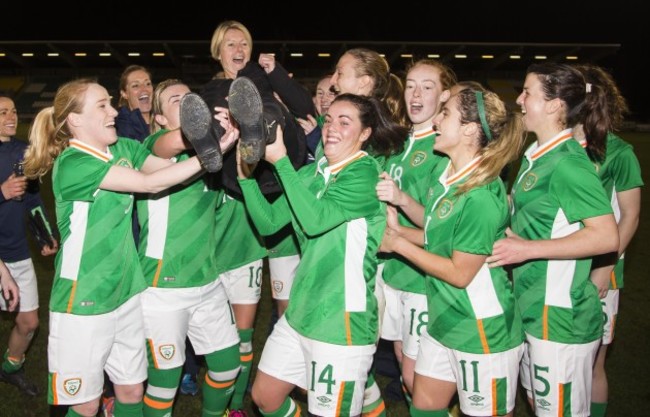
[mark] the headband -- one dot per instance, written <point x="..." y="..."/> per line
<point x="481" y="114"/>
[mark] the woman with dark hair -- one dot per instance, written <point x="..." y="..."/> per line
<point x="561" y="218"/>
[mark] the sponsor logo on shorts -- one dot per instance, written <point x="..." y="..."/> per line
<point x="278" y="286"/>
<point x="476" y="400"/>
<point x="72" y="386"/>
<point x="444" y="208"/>
<point x="167" y="351"/>
<point x="543" y="404"/>
<point x="418" y="158"/>
<point x="529" y="181"/>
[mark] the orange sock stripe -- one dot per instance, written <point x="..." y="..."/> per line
<point x="298" y="410"/>
<point x="218" y="385"/>
<point x="246" y="358"/>
<point x="612" y="280"/>
<point x="341" y="394"/>
<point x="55" y="394"/>
<point x="158" y="405"/>
<point x="157" y="274"/>
<point x="153" y="353"/>
<point x="377" y="411"/>
<point x="71" y="299"/>
<point x="545" y="323"/>
<point x="495" y="397"/>
<point x="481" y="332"/>
<point x="348" y="331"/>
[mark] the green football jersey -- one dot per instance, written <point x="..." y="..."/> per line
<point x="483" y="317"/>
<point x="97" y="268"/>
<point x="620" y="171"/>
<point x="339" y="223"/>
<point x="283" y="243"/>
<point x="238" y="241"/>
<point x="412" y="171"/>
<point x="556" y="188"/>
<point x="177" y="245"/>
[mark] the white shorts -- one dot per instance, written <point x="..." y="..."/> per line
<point x="323" y="369"/>
<point x="560" y="375"/>
<point x="405" y="319"/>
<point x="201" y="313"/>
<point x="81" y="348"/>
<point x="610" y="312"/>
<point x="282" y="271"/>
<point x="25" y="277"/>
<point x="244" y="284"/>
<point x="487" y="383"/>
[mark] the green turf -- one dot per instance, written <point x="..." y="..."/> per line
<point x="627" y="365"/>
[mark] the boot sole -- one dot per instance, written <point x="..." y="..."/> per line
<point x="196" y="125"/>
<point x="245" y="105"/>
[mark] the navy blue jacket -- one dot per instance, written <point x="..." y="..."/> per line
<point x="13" y="225"/>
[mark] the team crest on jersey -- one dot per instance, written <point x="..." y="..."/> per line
<point x="167" y="351"/>
<point x="418" y="158"/>
<point x="123" y="162"/>
<point x="444" y="208"/>
<point x="72" y="386"/>
<point x="529" y="181"/>
<point x="278" y="286"/>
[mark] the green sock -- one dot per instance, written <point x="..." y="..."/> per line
<point x="373" y="403"/>
<point x="246" y="357"/>
<point x="598" y="409"/>
<point x="72" y="413"/>
<point x="11" y="365"/>
<point x="161" y="381"/>
<point x="223" y="367"/>
<point x="416" y="412"/>
<point x="128" y="410"/>
<point x="289" y="408"/>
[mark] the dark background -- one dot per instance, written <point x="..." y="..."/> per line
<point x="620" y="22"/>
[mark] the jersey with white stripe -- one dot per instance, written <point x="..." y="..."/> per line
<point x="339" y="223"/>
<point x="177" y="245"/>
<point x="97" y="268"/>
<point x="483" y="317"/>
<point x="556" y="188"/>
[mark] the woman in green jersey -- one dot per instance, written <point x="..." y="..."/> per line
<point x="474" y="337"/>
<point x="325" y="341"/>
<point x="620" y="173"/>
<point x="410" y="173"/>
<point x="561" y="218"/>
<point x="95" y="314"/>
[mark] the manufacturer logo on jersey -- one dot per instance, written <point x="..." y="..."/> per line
<point x="123" y="162"/>
<point x="278" y="286"/>
<point x="418" y="158"/>
<point x="72" y="386"/>
<point x="529" y="181"/>
<point x="476" y="399"/>
<point x="430" y="193"/>
<point x="167" y="351"/>
<point x="445" y="208"/>
<point x="543" y="404"/>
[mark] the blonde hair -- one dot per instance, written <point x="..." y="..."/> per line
<point x="500" y="136"/>
<point x="156" y="105"/>
<point x="49" y="134"/>
<point x="387" y="87"/>
<point x="220" y="33"/>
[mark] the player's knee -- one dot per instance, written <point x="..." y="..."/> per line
<point x="90" y="408"/>
<point x="27" y="323"/>
<point x="129" y="394"/>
